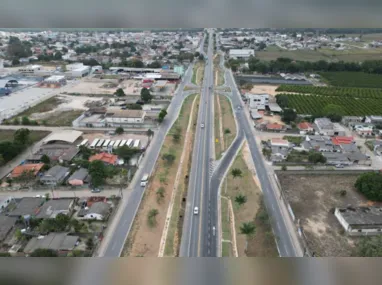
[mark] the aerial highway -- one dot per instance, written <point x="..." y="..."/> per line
<point x="116" y="235"/>
<point x="197" y="236"/>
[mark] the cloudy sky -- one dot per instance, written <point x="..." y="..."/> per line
<point x="190" y="13"/>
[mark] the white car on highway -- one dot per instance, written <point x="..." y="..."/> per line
<point x="196" y="210"/>
<point x="202" y="126"/>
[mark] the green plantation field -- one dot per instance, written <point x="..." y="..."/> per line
<point x="353" y="79"/>
<point x="314" y="104"/>
<point x="372" y="93"/>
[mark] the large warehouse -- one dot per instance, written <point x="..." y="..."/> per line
<point x="64" y="136"/>
<point x="241" y="53"/>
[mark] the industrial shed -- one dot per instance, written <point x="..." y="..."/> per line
<point x="66" y="136"/>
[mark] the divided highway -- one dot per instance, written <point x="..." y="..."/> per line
<point x="120" y="228"/>
<point x="197" y="235"/>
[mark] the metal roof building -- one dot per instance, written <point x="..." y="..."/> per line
<point x="68" y="136"/>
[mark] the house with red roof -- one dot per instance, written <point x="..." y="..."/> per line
<point x="275" y="127"/>
<point x="305" y="127"/>
<point x="27" y="168"/>
<point x="339" y="140"/>
<point x="106" y="158"/>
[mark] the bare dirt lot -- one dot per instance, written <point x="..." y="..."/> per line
<point x="269" y="89"/>
<point x="313" y="198"/>
<point x="106" y="86"/>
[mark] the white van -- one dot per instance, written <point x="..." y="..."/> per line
<point x="144" y="180"/>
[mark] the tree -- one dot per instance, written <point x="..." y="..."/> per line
<point x="43" y="252"/>
<point x="236" y="172"/>
<point x="316" y="157"/>
<point x="201" y="57"/>
<point x="146" y="95"/>
<point x="25" y="121"/>
<point x="126" y="152"/>
<point x="134" y="106"/>
<point x="16" y="121"/>
<point x="282" y="100"/>
<point x="150" y="133"/>
<point x="64" y="49"/>
<point x="267" y="152"/>
<point x="169" y="158"/>
<point x="155" y="64"/>
<point x="176" y="136"/>
<point x="284" y="168"/>
<point x="89" y="243"/>
<point x="288" y="115"/>
<point x="151" y="217"/>
<point x="58" y="55"/>
<point x="2" y="161"/>
<point x="248" y="229"/>
<point x="5" y="254"/>
<point x="119" y="92"/>
<point x="370" y="185"/>
<point x="18" y="49"/>
<point x="45" y="159"/>
<point x="227" y="131"/>
<point x="119" y="131"/>
<point x="333" y="112"/>
<point x="162" y="114"/>
<point x="22" y="136"/>
<point x="160" y="194"/>
<point x="15" y="61"/>
<point x="85" y="152"/>
<point x="240" y="199"/>
<point x="98" y="172"/>
<point x="370" y="246"/>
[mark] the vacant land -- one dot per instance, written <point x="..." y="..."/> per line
<point x="314" y="104"/>
<point x="198" y="73"/>
<point x="313" y="198"/>
<point x="35" y="136"/>
<point x="353" y="79"/>
<point x="174" y="233"/>
<point x="218" y="72"/>
<point x="45" y="106"/>
<point x="228" y="124"/>
<point x="262" y="243"/>
<point x="354" y="54"/>
<point x="145" y="235"/>
<point x="64" y="118"/>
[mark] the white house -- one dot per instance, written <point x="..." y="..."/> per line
<point x="98" y="211"/>
<point x="241" y="53"/>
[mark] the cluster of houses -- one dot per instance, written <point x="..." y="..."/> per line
<point x="18" y="214"/>
<point x="325" y="137"/>
<point x="61" y="148"/>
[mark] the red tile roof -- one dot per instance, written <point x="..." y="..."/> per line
<point x="342" y="140"/>
<point x="18" y="170"/>
<point x="105" y="157"/>
<point x="274" y="126"/>
<point x="304" y="126"/>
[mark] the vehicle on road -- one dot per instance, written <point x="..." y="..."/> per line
<point x="239" y="107"/>
<point x="196" y="210"/>
<point x="96" y="190"/>
<point x="340" y="166"/>
<point x="202" y="126"/>
<point x="213" y="231"/>
<point x="144" y="180"/>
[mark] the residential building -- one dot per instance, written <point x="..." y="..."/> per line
<point x="335" y="158"/>
<point x="51" y="208"/>
<point x="305" y="127"/>
<point x="342" y="140"/>
<point x="6" y="225"/>
<point x="241" y="53"/>
<point x="275" y="127"/>
<point x="363" y="130"/>
<point x="360" y="220"/>
<point x="373" y="119"/>
<point x="55" y="175"/>
<point x="27" y="206"/>
<point x="27" y="168"/>
<point x="4" y="202"/>
<point x="79" y="177"/>
<point x="106" y="158"/>
<point x="56" y="152"/>
<point x="60" y="242"/>
<point x="98" y="211"/>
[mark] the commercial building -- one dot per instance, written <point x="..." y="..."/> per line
<point x="60" y="242"/>
<point x="6" y="225"/>
<point x="325" y="127"/>
<point x="77" y="70"/>
<point x="66" y="136"/>
<point x="54" y="81"/>
<point x="257" y="101"/>
<point x="360" y="220"/>
<point x="241" y="53"/>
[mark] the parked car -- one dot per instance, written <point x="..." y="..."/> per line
<point x="96" y="190"/>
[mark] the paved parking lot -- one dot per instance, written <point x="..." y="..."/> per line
<point x="23" y="99"/>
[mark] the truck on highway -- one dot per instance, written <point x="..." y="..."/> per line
<point x="144" y="180"/>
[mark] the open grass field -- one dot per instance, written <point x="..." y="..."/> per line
<point x="64" y="118"/>
<point x="229" y="125"/>
<point x="144" y="238"/>
<point x="35" y="136"/>
<point x="312" y="199"/>
<point x="353" y="79"/>
<point x="354" y="54"/>
<point x="42" y="107"/>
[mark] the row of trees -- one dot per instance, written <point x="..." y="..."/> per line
<point x="292" y="66"/>
<point x="10" y="149"/>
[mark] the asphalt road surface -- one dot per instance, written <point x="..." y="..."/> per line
<point x="197" y="228"/>
<point x="285" y="243"/>
<point x="116" y="242"/>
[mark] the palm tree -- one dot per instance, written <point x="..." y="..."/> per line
<point x="240" y="199"/>
<point x="236" y="172"/>
<point x="248" y="229"/>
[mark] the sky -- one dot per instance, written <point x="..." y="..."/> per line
<point x="191" y="13"/>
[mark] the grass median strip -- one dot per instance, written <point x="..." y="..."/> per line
<point x="254" y="235"/>
<point x="228" y="125"/>
<point x="144" y="237"/>
<point x="174" y="233"/>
